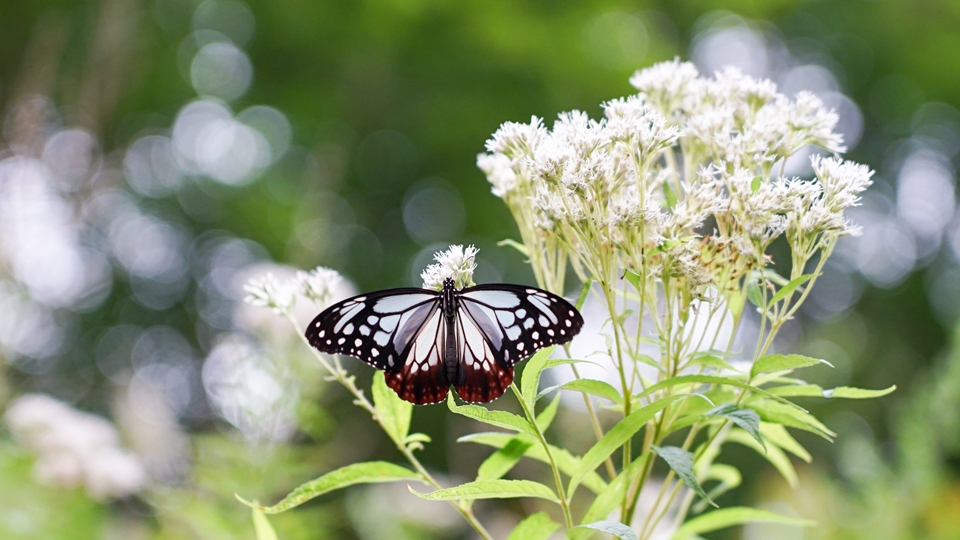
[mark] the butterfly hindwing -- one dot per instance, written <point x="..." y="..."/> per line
<point x="378" y="328"/>
<point x="422" y="378"/>
<point x="518" y="321"/>
<point x="480" y="378"/>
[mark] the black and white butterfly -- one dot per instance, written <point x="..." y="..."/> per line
<point x="426" y="341"/>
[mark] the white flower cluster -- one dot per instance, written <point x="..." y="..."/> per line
<point x="457" y="263"/>
<point x="686" y="150"/>
<point x="318" y="285"/>
<point x="74" y="448"/>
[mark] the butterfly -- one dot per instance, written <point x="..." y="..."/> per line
<point x="426" y="341"/>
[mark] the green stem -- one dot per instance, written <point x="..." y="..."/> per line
<point x="546" y="448"/>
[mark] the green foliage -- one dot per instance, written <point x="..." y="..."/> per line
<point x="619" y="530"/>
<point x="492" y="489"/>
<point x="536" y="526"/>
<point x="728" y="517"/>
<point x="681" y="462"/>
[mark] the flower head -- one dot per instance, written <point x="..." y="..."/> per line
<point x="456" y="263"/>
<point x="318" y="284"/>
<point x="266" y="291"/>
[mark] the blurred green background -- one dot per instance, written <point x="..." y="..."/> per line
<point x="157" y="153"/>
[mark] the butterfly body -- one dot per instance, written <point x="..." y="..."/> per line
<point x="426" y="341"/>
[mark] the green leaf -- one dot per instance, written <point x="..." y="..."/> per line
<point x="737" y="515"/>
<point x="371" y="472"/>
<point x="711" y="379"/>
<point x="501" y="419"/>
<point x="729" y="477"/>
<point x="783" y="362"/>
<point x="669" y="196"/>
<point x="613" y="439"/>
<point x="779" y="436"/>
<point x="492" y="489"/>
<point x="615" y="528"/>
<point x="546" y="416"/>
<point x="788" y="289"/>
<point x="747" y="419"/>
<point x="632" y="277"/>
<point x="590" y="386"/>
<point x="584" y="291"/>
<point x="609" y="498"/>
<point x="503" y="460"/>
<point x="755" y="293"/>
<point x="393" y="412"/>
<point x="515" y="245"/>
<point x="776" y="412"/>
<point x="771" y="453"/>
<point x="755" y="184"/>
<point x="797" y="390"/>
<point x="537" y="526"/>
<point x="531" y="374"/>
<point x="261" y="525"/>
<point x="566" y="462"/>
<point x="681" y="462"/>
<point x="711" y="361"/>
<point x="847" y="392"/>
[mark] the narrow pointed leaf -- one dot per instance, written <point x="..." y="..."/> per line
<point x="393" y="412"/>
<point x="775" y="412"/>
<point x="747" y="419"/>
<point x="847" y="392"/>
<point x="738" y="515"/>
<point x="371" y="472"/>
<point x="783" y="362"/>
<point x="546" y="416"/>
<point x="609" y="498"/>
<point x="501" y="419"/>
<point x="778" y="435"/>
<point x="531" y="374"/>
<point x="566" y="462"/>
<point x="515" y="245"/>
<point x="261" y="526"/>
<point x="615" y="528"/>
<point x="537" y="526"/>
<point x="681" y="462"/>
<point x="593" y="387"/>
<point x="711" y="379"/>
<point x="492" y="489"/>
<point x="711" y="361"/>
<point x="788" y="289"/>
<point x="503" y="460"/>
<point x="613" y="439"/>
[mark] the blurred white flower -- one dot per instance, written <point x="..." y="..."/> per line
<point x="457" y="263"/>
<point x="319" y="284"/>
<point x="74" y="448"/>
<point x="266" y="291"/>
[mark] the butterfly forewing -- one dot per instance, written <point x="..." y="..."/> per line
<point x="518" y="321"/>
<point x="377" y="328"/>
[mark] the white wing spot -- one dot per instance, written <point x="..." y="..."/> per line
<point x="358" y="342"/>
<point x="348" y="329"/>
<point x="341" y="340"/>
<point x="513" y="333"/>
<point x="317" y="324"/>
<point x="359" y="299"/>
<point x="364" y="329"/>
<point x="329" y="342"/>
<point x="532" y="291"/>
<point x="535" y="335"/>
<point x="506" y="318"/>
<point x="372" y="319"/>
<point x="543" y="321"/>
<point x="520" y="346"/>
<point x="521" y="313"/>
<point x="374" y="353"/>
<point x="389" y="323"/>
<point x="390" y="360"/>
<point x="569" y="323"/>
<point x="563" y="332"/>
<point x="570" y="312"/>
<point x="549" y="331"/>
<point x="381" y="338"/>
<point x="528" y="324"/>
<point x="322" y="332"/>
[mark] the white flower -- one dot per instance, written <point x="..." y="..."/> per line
<point x="514" y="139"/>
<point x="74" y="448"/>
<point x="318" y="284"/>
<point x="499" y="171"/>
<point x="456" y="263"/>
<point x="672" y="86"/>
<point x="266" y="291"/>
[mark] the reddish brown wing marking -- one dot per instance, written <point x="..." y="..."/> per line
<point x="480" y="378"/>
<point x="422" y="379"/>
